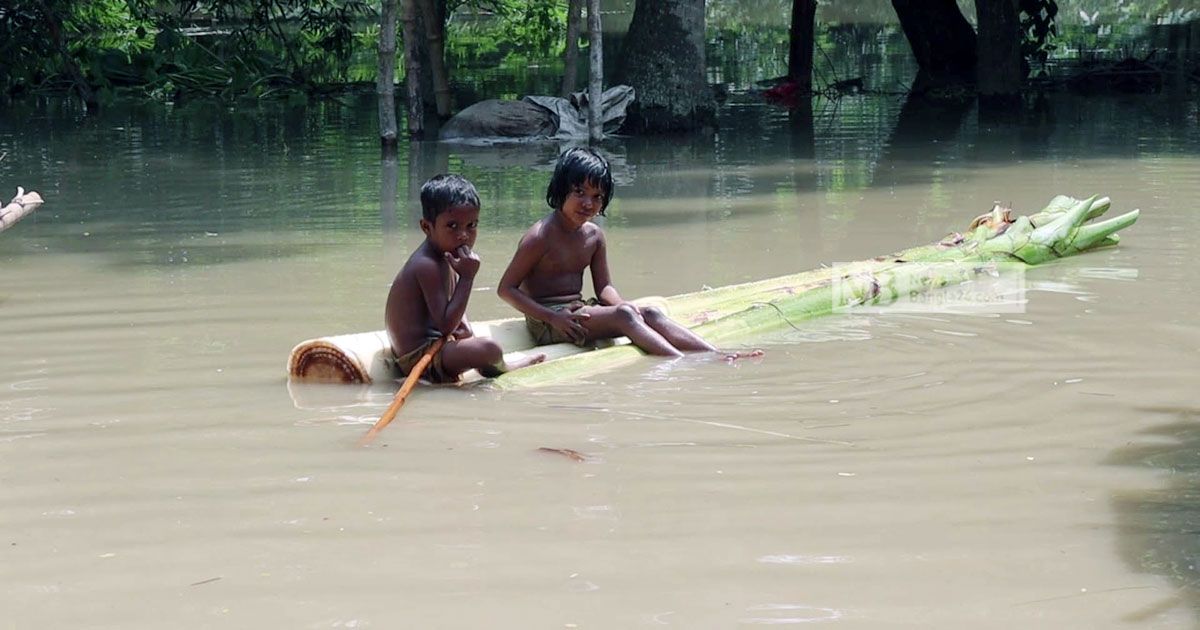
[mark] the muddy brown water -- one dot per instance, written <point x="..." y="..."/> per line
<point x="1033" y="469"/>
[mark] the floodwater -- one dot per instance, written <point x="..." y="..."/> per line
<point x="1035" y="469"/>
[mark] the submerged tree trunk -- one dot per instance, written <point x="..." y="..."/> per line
<point x="941" y="39"/>
<point x="435" y="27"/>
<point x="663" y="59"/>
<point x="595" y="73"/>
<point x="571" y="52"/>
<point x="412" y="71"/>
<point x="999" y="48"/>
<point x="385" y="84"/>
<point x="800" y="44"/>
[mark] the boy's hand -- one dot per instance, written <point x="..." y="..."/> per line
<point x="569" y="324"/>
<point x="463" y="261"/>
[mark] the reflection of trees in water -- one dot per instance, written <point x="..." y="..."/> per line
<point x="1159" y="530"/>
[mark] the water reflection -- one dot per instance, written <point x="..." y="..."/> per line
<point x="1159" y="529"/>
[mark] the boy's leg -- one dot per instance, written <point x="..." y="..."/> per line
<point x="480" y="353"/>
<point x="605" y="322"/>
<point x="677" y="334"/>
<point x="684" y="339"/>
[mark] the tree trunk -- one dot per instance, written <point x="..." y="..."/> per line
<point x="595" y="73"/>
<point x="412" y="71"/>
<point x="941" y="39"/>
<point x="54" y="28"/>
<point x="385" y="86"/>
<point x="663" y="59"/>
<point x="800" y="44"/>
<point x="999" y="48"/>
<point x="435" y="27"/>
<point x="571" y="52"/>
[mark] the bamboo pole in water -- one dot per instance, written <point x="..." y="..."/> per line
<point x="738" y="313"/>
<point x="595" y="73"/>
<point x="385" y="83"/>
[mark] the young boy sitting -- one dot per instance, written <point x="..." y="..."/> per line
<point x="429" y="296"/>
<point x="545" y="278"/>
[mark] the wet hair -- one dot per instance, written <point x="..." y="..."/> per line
<point x="576" y="166"/>
<point x="442" y="192"/>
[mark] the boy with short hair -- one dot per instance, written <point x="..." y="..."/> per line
<point x="428" y="298"/>
<point x="545" y="278"/>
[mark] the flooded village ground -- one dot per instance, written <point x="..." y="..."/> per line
<point x="1035" y="469"/>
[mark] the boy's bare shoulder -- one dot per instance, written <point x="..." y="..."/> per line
<point x="591" y="229"/>
<point x="418" y="264"/>
<point x="535" y="236"/>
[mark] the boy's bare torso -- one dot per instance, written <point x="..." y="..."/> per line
<point x="407" y="315"/>
<point x="557" y="277"/>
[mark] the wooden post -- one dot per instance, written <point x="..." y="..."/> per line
<point x="595" y="73"/>
<point x="571" y="52"/>
<point x="412" y="71"/>
<point x="434" y="29"/>
<point x="385" y="84"/>
<point x="800" y="45"/>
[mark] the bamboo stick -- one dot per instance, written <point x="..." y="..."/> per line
<point x="410" y="382"/>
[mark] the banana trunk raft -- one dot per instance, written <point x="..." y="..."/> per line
<point x="738" y="313"/>
<point x="17" y="209"/>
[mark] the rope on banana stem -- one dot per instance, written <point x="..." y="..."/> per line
<point x="780" y="311"/>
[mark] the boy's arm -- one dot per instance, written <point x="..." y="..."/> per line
<point x="446" y="311"/>
<point x="606" y="293"/>
<point x="529" y="252"/>
<point x="464" y="329"/>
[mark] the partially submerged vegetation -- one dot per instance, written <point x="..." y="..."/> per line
<point x="739" y="313"/>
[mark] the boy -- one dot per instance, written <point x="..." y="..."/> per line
<point x="545" y="278"/>
<point x="429" y="296"/>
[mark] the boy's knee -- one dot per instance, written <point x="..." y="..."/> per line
<point x="653" y="313"/>
<point x="490" y="351"/>
<point x="628" y="313"/>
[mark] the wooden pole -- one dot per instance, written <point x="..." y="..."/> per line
<point x="412" y="71"/>
<point x="385" y="84"/>
<point x="800" y="46"/>
<point x="571" y="52"/>
<point x="410" y="382"/>
<point x="595" y="73"/>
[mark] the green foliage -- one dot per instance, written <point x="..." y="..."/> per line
<point x="534" y="26"/>
<point x="1038" y="31"/>
<point x="258" y="47"/>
